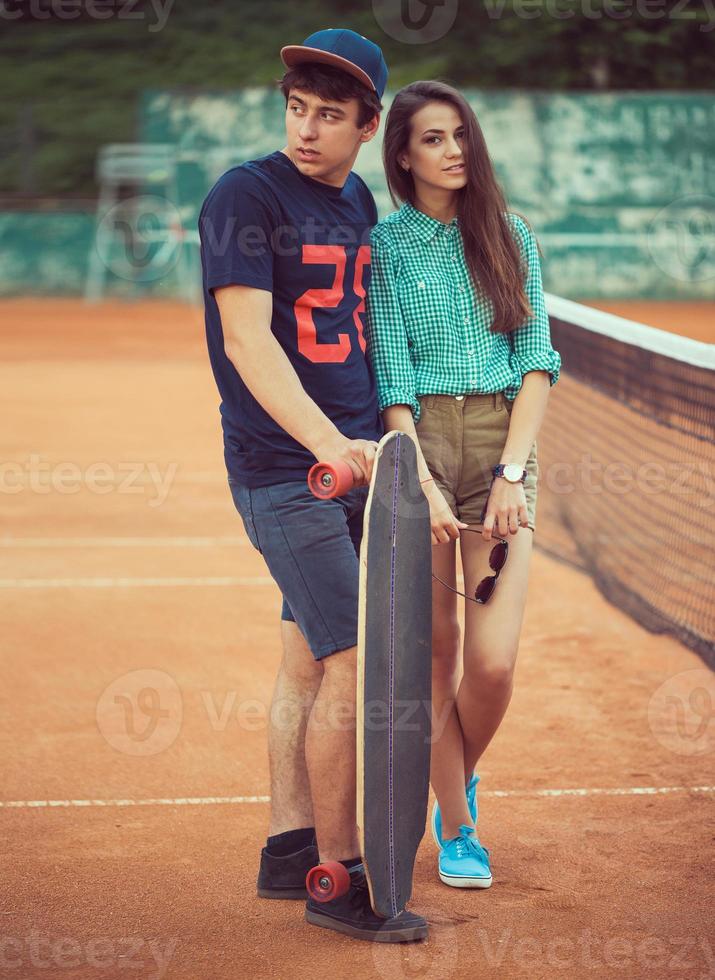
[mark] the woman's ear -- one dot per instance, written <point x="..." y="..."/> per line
<point x="404" y="163"/>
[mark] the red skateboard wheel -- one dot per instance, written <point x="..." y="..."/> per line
<point x="327" y="881"/>
<point x="328" y="480"/>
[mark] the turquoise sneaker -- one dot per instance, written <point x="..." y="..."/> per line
<point x="471" y="803"/>
<point x="463" y="862"/>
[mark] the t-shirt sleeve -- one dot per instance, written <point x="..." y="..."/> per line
<point x="236" y="227"/>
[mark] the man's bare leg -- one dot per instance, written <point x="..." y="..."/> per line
<point x="299" y="678"/>
<point x="330" y="754"/>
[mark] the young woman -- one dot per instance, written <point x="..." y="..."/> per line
<point x="459" y="340"/>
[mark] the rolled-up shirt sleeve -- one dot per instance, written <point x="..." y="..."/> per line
<point x="532" y="341"/>
<point x="387" y="341"/>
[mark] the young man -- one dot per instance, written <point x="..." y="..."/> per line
<point x="286" y="265"/>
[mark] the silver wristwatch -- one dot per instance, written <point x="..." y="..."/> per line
<point x="511" y="472"/>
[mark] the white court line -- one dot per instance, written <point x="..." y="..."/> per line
<point x="180" y="801"/>
<point x="592" y="791"/>
<point x="149" y="542"/>
<point x="127" y="583"/>
<point x="233" y="800"/>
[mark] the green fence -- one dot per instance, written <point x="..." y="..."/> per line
<point x="44" y="253"/>
<point x="620" y="187"/>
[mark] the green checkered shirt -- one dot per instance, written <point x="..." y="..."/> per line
<point x="428" y="330"/>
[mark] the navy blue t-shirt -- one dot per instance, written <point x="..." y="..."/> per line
<point x="265" y="224"/>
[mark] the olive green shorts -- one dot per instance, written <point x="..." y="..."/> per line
<point x="462" y="440"/>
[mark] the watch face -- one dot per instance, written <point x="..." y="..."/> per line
<point x="513" y="473"/>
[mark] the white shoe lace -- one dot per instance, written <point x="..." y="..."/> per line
<point x="466" y="844"/>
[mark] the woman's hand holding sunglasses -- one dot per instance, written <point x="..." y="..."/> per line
<point x="506" y="509"/>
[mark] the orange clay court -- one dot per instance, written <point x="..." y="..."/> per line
<point x="131" y="829"/>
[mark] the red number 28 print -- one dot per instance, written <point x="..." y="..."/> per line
<point x="321" y="299"/>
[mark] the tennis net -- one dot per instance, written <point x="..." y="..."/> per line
<point x="627" y="469"/>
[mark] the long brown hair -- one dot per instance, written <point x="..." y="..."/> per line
<point x="492" y="255"/>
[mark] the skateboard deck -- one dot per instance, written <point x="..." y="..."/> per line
<point x="394" y="674"/>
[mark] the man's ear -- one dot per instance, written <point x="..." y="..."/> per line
<point x="369" y="130"/>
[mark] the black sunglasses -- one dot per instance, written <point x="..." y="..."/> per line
<point x="497" y="559"/>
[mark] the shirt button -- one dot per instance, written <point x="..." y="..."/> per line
<point x="470" y="353"/>
<point x="473" y="383"/>
<point x="466" y="319"/>
<point x="461" y="289"/>
<point x="459" y="398"/>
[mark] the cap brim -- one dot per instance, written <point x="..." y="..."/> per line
<point x="298" y="54"/>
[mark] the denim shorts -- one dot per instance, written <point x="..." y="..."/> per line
<point x="312" y="550"/>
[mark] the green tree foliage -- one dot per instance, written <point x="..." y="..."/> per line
<point x="71" y="80"/>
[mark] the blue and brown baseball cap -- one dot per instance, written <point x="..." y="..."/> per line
<point x="344" y="49"/>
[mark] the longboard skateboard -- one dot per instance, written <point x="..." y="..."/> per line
<point x="394" y="677"/>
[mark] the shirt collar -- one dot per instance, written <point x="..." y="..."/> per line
<point x="422" y="225"/>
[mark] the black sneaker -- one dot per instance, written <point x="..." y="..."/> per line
<point x="352" y="915"/>
<point x="284" y="877"/>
